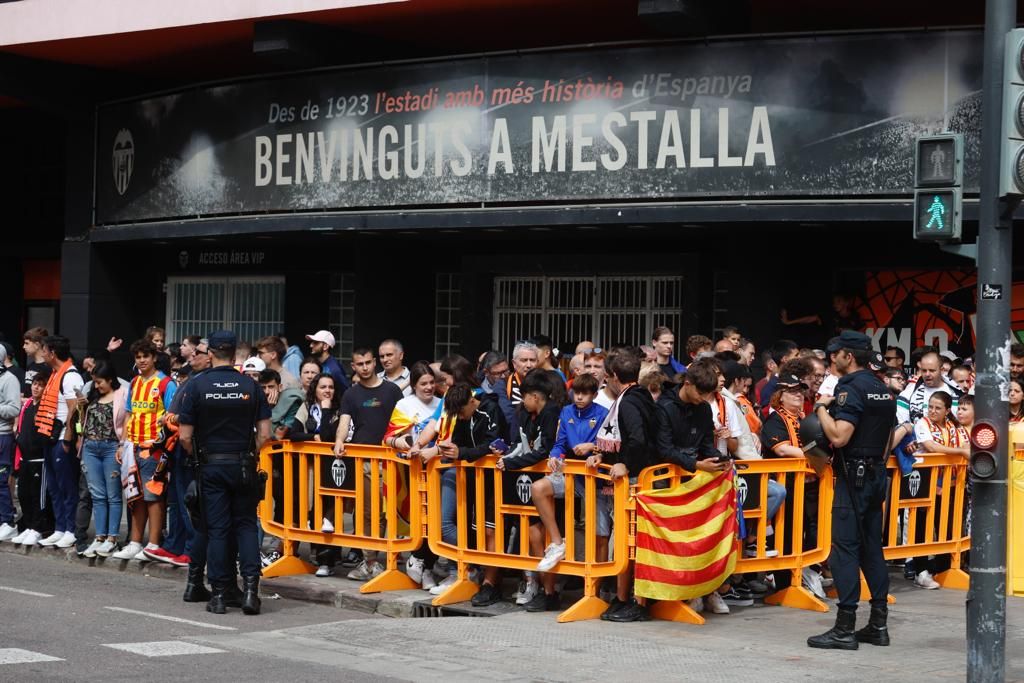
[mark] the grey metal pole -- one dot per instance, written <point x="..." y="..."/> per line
<point x="986" y="600"/>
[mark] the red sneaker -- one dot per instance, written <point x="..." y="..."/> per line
<point x="160" y="555"/>
<point x="180" y="560"/>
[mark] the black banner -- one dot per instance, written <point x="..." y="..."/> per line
<point x="782" y="118"/>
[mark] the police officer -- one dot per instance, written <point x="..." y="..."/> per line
<point x="221" y="413"/>
<point x="858" y="421"/>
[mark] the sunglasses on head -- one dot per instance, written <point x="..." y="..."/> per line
<point x="596" y="349"/>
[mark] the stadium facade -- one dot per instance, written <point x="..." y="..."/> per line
<point x="462" y="202"/>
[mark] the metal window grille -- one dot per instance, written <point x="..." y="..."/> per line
<point x="252" y="307"/>
<point x="617" y="309"/>
<point x="342" y="315"/>
<point x="447" y="311"/>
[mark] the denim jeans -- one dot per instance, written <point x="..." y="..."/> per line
<point x="776" y="496"/>
<point x="104" y="476"/>
<point x="180" y="530"/>
<point x="62" y="473"/>
<point x="6" y="471"/>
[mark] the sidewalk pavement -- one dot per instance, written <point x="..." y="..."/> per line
<point x="756" y="643"/>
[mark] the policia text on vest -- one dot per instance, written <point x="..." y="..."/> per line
<point x="220" y="412"/>
<point x="858" y="422"/>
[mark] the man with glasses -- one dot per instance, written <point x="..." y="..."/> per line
<point x="895" y="380"/>
<point x="495" y="369"/>
<point x="894" y="357"/>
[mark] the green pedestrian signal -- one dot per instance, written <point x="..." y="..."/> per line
<point x="938" y="180"/>
<point x="937" y="215"/>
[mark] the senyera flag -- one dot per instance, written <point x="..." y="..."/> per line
<point x="686" y="538"/>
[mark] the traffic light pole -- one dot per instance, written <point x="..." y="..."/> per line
<point x="986" y="600"/>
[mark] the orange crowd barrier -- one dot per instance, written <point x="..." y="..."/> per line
<point x="313" y="481"/>
<point x="930" y="503"/>
<point x="793" y="474"/>
<point x="482" y="492"/>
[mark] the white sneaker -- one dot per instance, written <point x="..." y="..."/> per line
<point x="31" y="538"/>
<point x="529" y="592"/>
<point x="553" y="554"/>
<point x="414" y="568"/>
<point x="327" y="527"/>
<point x="52" y="539"/>
<point x="447" y="583"/>
<point x="128" y="552"/>
<point x="925" y="580"/>
<point x="105" y="548"/>
<point x="67" y="540"/>
<point x="20" y="537"/>
<point x="366" y="571"/>
<point x="91" y="550"/>
<point x="428" y="581"/>
<point x="324" y="570"/>
<point x="141" y="555"/>
<point x="697" y="605"/>
<point x="812" y="582"/>
<point x="7" y="532"/>
<point x="716" y="603"/>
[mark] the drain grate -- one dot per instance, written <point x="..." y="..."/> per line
<point x="426" y="609"/>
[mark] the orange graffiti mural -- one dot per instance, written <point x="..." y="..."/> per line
<point x="929" y="307"/>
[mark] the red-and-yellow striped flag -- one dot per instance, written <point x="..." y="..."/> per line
<point x="686" y="538"/>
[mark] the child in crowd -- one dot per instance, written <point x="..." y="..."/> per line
<point x="578" y="425"/>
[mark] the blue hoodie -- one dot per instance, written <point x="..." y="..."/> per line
<point x="576" y="427"/>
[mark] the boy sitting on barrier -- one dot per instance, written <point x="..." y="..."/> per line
<point x="578" y="425"/>
<point x="538" y="427"/>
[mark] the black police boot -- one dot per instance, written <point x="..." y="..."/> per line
<point x="840" y="636"/>
<point x="251" y="595"/>
<point x="232" y="596"/>
<point x="195" y="591"/>
<point x="876" y="632"/>
<point x="217" y="605"/>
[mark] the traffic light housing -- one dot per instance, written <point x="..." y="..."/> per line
<point x="984" y="441"/>
<point x="938" y="180"/>
<point x="1011" y="163"/>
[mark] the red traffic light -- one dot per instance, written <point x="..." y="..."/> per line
<point x="984" y="436"/>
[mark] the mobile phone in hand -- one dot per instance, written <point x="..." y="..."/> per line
<point x="500" y="446"/>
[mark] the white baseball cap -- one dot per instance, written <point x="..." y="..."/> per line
<point x="322" y="336"/>
<point x="254" y="364"/>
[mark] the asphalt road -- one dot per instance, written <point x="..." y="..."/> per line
<point x="68" y="623"/>
<point x="71" y="622"/>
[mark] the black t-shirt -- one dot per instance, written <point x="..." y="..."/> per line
<point x="224" y="406"/>
<point x="30" y="371"/>
<point x="370" y="410"/>
<point x="773" y="433"/>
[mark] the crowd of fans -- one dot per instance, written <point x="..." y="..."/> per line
<point x="77" y="438"/>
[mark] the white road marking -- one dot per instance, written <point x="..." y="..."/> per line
<point x="24" y="592"/>
<point x="164" y="648"/>
<point x="13" y="655"/>
<point x="174" y="619"/>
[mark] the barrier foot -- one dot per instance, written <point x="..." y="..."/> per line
<point x="389" y="580"/>
<point x="796" y="597"/>
<point x="289" y="565"/>
<point x="674" y="610"/>
<point x="865" y="593"/>
<point x="954" y="578"/>
<point x="587" y="607"/>
<point x="460" y="591"/>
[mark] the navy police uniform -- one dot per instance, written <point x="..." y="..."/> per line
<point x="857" y="508"/>
<point x="224" y="407"/>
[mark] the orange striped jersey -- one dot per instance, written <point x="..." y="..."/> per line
<point x="148" y="400"/>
